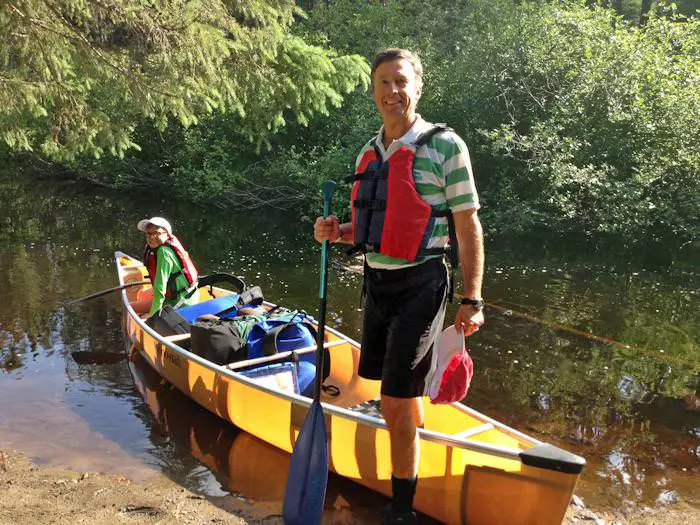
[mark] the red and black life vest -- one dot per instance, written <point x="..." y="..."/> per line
<point x="188" y="269"/>
<point x="388" y="214"/>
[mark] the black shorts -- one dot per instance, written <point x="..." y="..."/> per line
<point x="404" y="310"/>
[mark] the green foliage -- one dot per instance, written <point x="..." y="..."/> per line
<point x="602" y="120"/>
<point x="78" y="77"/>
<point x="576" y="120"/>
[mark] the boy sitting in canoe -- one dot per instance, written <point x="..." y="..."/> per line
<point x="169" y="266"/>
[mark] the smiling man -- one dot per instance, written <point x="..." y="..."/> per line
<point x="413" y="194"/>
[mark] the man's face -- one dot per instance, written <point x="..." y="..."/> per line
<point x="396" y="91"/>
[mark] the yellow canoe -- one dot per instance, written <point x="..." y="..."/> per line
<point x="473" y="469"/>
<point x="241" y="463"/>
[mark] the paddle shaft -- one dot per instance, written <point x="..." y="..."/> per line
<point x="97" y="358"/>
<point x="308" y="468"/>
<point x="328" y="190"/>
<point x="105" y="292"/>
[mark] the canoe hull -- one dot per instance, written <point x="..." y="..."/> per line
<point x="480" y="482"/>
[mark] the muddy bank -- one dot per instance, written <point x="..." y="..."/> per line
<point x="31" y="494"/>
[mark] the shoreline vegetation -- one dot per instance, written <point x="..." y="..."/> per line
<point x="581" y="117"/>
<point x="45" y="494"/>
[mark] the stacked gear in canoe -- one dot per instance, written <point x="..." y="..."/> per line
<point x="175" y="321"/>
<point x="225" y="340"/>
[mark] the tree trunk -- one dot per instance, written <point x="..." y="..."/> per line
<point x="644" y="12"/>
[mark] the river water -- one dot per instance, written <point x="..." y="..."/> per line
<point x="591" y="348"/>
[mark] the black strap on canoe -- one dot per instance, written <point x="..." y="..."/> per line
<point x="221" y="277"/>
<point x="252" y="296"/>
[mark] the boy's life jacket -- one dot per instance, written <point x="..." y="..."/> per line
<point x="188" y="269"/>
<point x="388" y="214"/>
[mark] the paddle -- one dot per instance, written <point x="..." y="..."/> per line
<point x="308" y="468"/>
<point x="105" y="292"/>
<point x="97" y="358"/>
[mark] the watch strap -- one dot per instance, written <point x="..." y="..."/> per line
<point x="476" y="303"/>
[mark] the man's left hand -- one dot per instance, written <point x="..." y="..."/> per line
<point x="469" y="319"/>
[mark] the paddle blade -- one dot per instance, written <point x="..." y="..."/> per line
<point x="308" y="472"/>
<point x="98" y="358"/>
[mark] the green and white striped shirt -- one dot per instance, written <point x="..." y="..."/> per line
<point x="443" y="175"/>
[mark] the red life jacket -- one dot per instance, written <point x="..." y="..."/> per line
<point x="388" y="214"/>
<point x="188" y="269"/>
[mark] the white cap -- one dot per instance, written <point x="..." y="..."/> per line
<point x="155" y="221"/>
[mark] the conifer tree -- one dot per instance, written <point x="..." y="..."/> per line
<point x="77" y="76"/>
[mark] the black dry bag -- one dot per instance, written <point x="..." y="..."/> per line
<point x="218" y="341"/>
<point x="168" y="321"/>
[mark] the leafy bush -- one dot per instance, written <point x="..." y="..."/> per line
<point x="576" y="119"/>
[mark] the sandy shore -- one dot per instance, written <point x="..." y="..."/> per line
<point x="33" y="494"/>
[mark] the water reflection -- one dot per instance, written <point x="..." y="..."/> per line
<point x="250" y="469"/>
<point x="633" y="411"/>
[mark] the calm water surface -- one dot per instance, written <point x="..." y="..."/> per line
<point x="631" y="409"/>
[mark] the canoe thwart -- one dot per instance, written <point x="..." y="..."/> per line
<point x="177" y="337"/>
<point x="473" y="431"/>
<point x="281" y="355"/>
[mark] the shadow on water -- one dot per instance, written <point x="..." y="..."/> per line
<point x="631" y="409"/>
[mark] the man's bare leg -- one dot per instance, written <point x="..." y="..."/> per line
<point x="403" y="416"/>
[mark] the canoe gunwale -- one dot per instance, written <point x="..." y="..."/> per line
<point x="424" y="434"/>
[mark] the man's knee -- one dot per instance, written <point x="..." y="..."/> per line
<point x="400" y="413"/>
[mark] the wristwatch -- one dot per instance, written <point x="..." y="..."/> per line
<point x="477" y="304"/>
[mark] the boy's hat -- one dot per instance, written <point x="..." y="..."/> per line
<point x="155" y="221"/>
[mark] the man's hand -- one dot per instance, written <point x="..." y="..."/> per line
<point x="327" y="228"/>
<point x="469" y="319"/>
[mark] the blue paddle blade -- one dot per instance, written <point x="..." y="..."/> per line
<point x="308" y="472"/>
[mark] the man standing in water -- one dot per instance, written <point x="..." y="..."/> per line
<point x="411" y="181"/>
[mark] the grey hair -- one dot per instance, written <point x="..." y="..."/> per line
<point x="394" y="53"/>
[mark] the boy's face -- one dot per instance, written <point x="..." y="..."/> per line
<point x="156" y="236"/>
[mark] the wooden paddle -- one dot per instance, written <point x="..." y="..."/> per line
<point x="105" y="292"/>
<point x="308" y="469"/>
